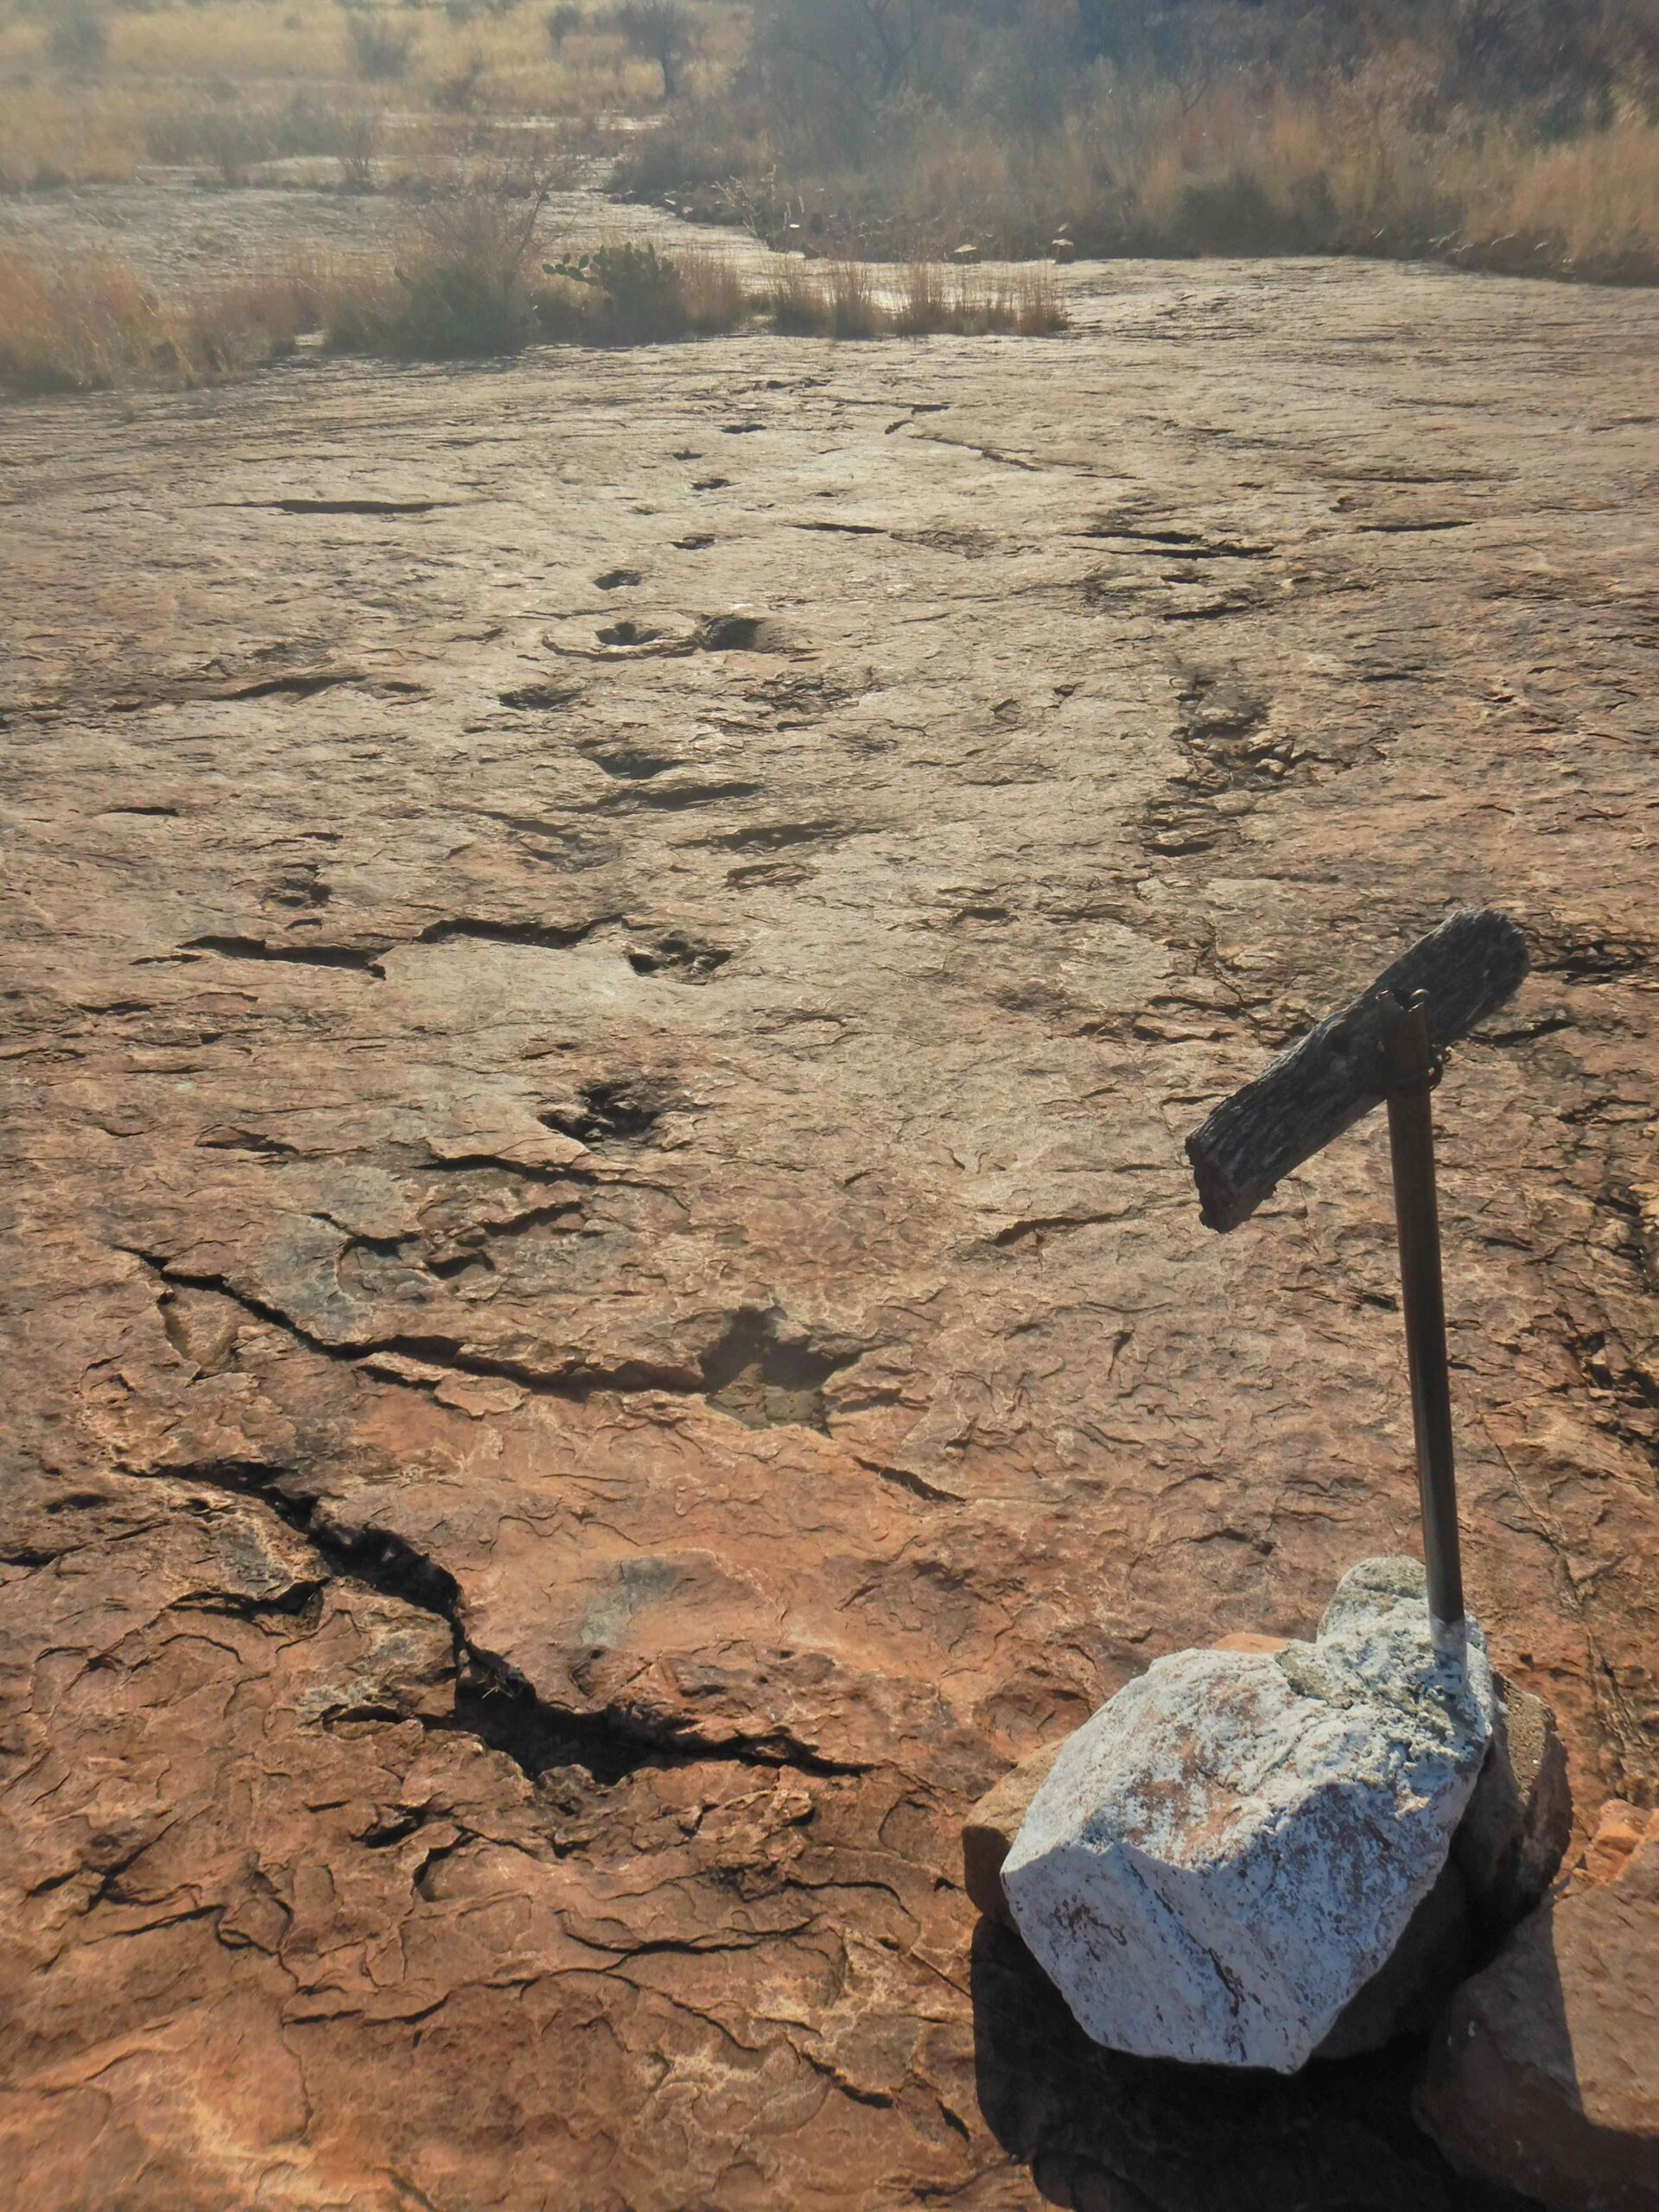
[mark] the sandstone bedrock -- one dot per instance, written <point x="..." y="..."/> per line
<point x="1544" y="2071"/>
<point x="606" y="1318"/>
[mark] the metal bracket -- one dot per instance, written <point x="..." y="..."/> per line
<point x="1392" y="1082"/>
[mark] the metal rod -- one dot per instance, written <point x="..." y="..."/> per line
<point x="1412" y="1075"/>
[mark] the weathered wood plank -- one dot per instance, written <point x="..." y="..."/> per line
<point x="1335" y="1076"/>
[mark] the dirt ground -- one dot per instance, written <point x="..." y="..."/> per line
<point x="608" y="960"/>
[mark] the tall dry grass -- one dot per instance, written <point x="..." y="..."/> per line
<point x="468" y="279"/>
<point x="1353" y="173"/>
<point x="96" y="326"/>
<point x="53" y="134"/>
<point x="1590" y="205"/>
<point x="856" y="299"/>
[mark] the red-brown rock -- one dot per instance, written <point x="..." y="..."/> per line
<point x="1544" y="2073"/>
<point x="1621" y="1831"/>
<point x="606" y="1320"/>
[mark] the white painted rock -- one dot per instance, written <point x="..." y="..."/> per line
<point x="1227" y="1851"/>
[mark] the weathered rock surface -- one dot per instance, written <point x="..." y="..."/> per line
<point x="1544" y="2074"/>
<point x="992" y="1824"/>
<point x="1620" y="1831"/>
<point x="606" y="1315"/>
<point x="1227" y="1853"/>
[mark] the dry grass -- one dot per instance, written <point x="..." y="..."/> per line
<point x="847" y="302"/>
<point x="1591" y="206"/>
<point x="1353" y="174"/>
<point x="60" y="123"/>
<point x="56" y="133"/>
<point x="468" y="279"/>
<point x="713" y="293"/>
<point x="96" y="326"/>
<point x="854" y="299"/>
<point x="794" y="300"/>
<point x="1023" y="299"/>
<point x="101" y="136"/>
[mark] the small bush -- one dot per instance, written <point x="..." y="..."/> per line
<point x="356" y="145"/>
<point x="460" y="289"/>
<point x="621" y="295"/>
<point x="563" y="23"/>
<point x="379" y="51"/>
<point x="633" y="295"/>
<point x="699" y="148"/>
<point x="79" y="39"/>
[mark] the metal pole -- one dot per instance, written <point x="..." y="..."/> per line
<point x="1412" y="1075"/>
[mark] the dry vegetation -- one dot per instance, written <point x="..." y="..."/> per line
<point x="470" y="280"/>
<point x="98" y="91"/>
<point x="1519" y="134"/>
<point x="1514" y="133"/>
<point x="95" y="325"/>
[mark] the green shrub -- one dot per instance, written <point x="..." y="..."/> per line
<point x="619" y="295"/>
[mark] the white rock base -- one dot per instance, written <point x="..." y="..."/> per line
<point x="1227" y="1850"/>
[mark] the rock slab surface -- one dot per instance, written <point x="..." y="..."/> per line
<point x="607" y="1316"/>
<point x="1222" y="1857"/>
<point x="1544" y="2074"/>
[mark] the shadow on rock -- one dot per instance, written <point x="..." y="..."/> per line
<point x="1102" y="2132"/>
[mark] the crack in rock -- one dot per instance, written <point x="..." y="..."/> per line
<point x="762" y="1371"/>
<point x="494" y="1701"/>
<point x="365" y="959"/>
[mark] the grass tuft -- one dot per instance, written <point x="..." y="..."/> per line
<point x="96" y="326"/>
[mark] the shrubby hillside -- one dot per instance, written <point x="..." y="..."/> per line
<point x="1517" y="132"/>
